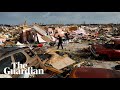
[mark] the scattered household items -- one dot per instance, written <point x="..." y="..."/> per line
<point x="89" y="50"/>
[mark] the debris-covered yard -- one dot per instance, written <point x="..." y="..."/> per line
<point x="81" y="56"/>
<point x="89" y="47"/>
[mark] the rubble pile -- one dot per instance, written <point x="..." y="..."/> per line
<point x="86" y="42"/>
<point x="38" y="50"/>
<point x="77" y="55"/>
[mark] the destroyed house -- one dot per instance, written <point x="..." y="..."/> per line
<point x="34" y="34"/>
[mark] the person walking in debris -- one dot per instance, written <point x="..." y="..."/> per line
<point x="67" y="37"/>
<point x="60" y="42"/>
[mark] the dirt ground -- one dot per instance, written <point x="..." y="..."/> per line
<point x="75" y="50"/>
<point x="81" y="54"/>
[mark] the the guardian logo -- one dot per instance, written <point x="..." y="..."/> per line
<point x="22" y="69"/>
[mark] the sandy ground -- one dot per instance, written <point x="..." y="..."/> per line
<point x="73" y="47"/>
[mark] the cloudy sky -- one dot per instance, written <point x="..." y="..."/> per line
<point x="59" y="17"/>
